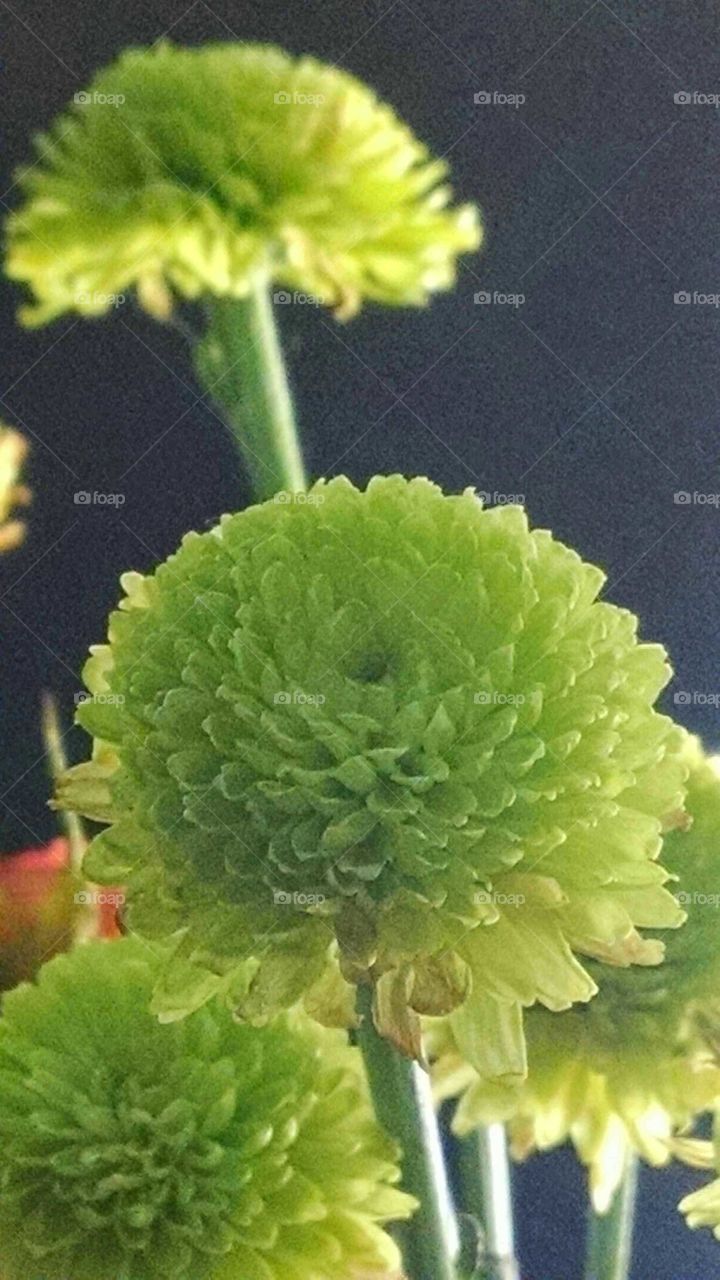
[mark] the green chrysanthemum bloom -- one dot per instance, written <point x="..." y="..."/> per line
<point x="640" y="1061"/>
<point x="134" y="1151"/>
<point x="192" y="170"/>
<point x="392" y="721"/>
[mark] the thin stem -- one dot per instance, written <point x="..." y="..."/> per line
<point x="57" y="764"/>
<point x="486" y="1194"/>
<point x="401" y="1095"/>
<point x="240" y="365"/>
<point x="610" y="1235"/>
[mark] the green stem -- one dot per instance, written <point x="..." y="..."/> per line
<point x="610" y="1235"/>
<point x="403" y="1106"/>
<point x="57" y="764"/>
<point x="240" y="365"/>
<point x="486" y="1194"/>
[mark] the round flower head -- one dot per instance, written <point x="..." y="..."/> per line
<point x="638" y="1063"/>
<point x="393" y="723"/>
<point x="190" y="170"/>
<point x="134" y="1151"/>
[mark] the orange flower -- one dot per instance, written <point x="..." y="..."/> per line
<point x="41" y="910"/>
<point x="37" y="910"/>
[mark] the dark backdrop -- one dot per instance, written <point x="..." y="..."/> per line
<point x="597" y="397"/>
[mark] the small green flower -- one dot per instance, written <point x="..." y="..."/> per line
<point x="388" y="726"/>
<point x="133" y="1151"/>
<point x="640" y="1062"/>
<point x="190" y="171"/>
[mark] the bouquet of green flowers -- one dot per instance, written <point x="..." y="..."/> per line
<point x="380" y="772"/>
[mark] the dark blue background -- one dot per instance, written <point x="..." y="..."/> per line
<point x="597" y="398"/>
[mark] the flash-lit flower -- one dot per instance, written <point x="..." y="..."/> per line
<point x="641" y="1060"/>
<point x="390" y="725"/>
<point x="189" y="171"/>
<point x="13" y="451"/>
<point x="201" y="1150"/>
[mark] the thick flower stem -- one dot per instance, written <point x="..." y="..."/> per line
<point x="486" y="1194"/>
<point x="610" y="1235"/>
<point x="240" y="365"/>
<point x="402" y="1105"/>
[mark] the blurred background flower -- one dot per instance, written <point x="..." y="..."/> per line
<point x="45" y="908"/>
<point x="222" y="163"/>
<point x="624" y="1073"/>
<point x="13" y="493"/>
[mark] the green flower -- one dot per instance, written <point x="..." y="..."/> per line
<point x="388" y="725"/>
<point x="702" y="1207"/>
<point x="640" y="1061"/>
<point x="134" y="1151"/>
<point x="190" y="171"/>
